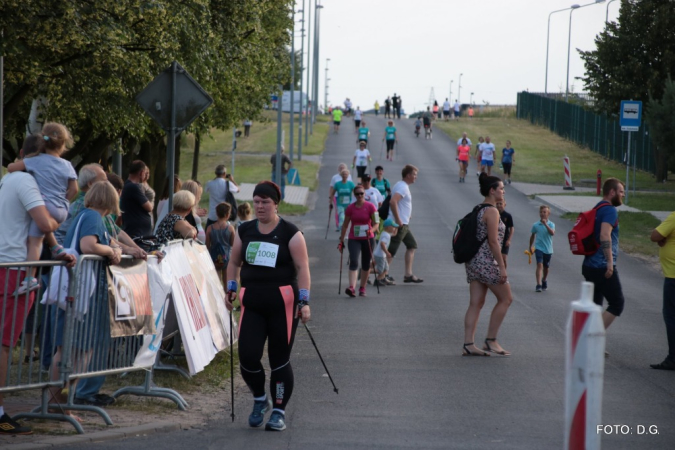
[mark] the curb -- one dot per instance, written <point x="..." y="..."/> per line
<point x="100" y="436"/>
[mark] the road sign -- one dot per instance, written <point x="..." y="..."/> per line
<point x="191" y="100"/>
<point x="630" y="115"/>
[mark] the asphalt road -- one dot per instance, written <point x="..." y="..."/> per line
<point x="396" y="357"/>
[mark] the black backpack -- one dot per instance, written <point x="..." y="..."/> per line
<point x="465" y="243"/>
<point x="229" y="198"/>
<point x="383" y="210"/>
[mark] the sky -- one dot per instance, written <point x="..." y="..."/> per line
<point x="409" y="47"/>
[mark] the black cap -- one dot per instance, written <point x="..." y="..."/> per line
<point x="365" y="177"/>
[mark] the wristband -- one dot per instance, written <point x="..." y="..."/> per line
<point x="304" y="296"/>
<point x="232" y="286"/>
<point x="57" y="249"/>
<point x="302" y="304"/>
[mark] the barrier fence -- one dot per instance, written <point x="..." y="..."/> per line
<point x="599" y="133"/>
<point x="113" y="322"/>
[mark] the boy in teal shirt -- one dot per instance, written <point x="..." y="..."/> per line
<point x="541" y="244"/>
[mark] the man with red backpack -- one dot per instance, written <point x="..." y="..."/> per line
<point x="600" y="267"/>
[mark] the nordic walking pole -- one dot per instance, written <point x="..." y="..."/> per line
<point x="330" y="210"/>
<point x="335" y="389"/>
<point x="340" y="283"/>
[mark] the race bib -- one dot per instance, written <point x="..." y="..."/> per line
<point x="262" y="254"/>
<point x="345" y="200"/>
<point x="360" y="230"/>
<point x="362" y="161"/>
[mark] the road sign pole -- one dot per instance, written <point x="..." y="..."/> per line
<point x="627" y="166"/>
<point x="171" y="147"/>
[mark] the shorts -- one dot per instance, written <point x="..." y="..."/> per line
<point x="505" y="251"/>
<point x="487" y="162"/>
<point x="404" y="235"/>
<point x="360" y="170"/>
<point x="59" y="214"/>
<point x="507" y="168"/>
<point x="357" y="123"/>
<point x="381" y="264"/>
<point x="543" y="258"/>
<point x="337" y="123"/>
<point x="446" y="113"/>
<point x="464" y="162"/>
<point x="609" y="288"/>
<point x="14" y="308"/>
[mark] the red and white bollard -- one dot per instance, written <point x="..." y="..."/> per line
<point x="584" y="370"/>
<point x="568" y="174"/>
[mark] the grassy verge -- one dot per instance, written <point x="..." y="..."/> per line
<point x="645" y="201"/>
<point x="539" y="153"/>
<point x="635" y="229"/>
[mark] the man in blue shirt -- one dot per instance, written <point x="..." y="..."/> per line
<point x="600" y="267"/>
<point x="543" y="231"/>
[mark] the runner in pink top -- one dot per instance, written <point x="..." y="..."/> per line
<point x="463" y="158"/>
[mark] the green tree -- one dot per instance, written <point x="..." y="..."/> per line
<point x="632" y="59"/>
<point x="661" y="118"/>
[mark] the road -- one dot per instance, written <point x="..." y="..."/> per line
<point x="396" y="357"/>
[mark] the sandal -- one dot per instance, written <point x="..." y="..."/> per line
<point x="489" y="349"/>
<point x="467" y="352"/>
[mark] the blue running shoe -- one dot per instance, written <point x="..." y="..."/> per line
<point x="276" y="422"/>
<point x="259" y="409"/>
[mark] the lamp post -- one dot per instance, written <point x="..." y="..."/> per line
<point x="471" y="99"/>
<point x="292" y="108"/>
<point x="548" y="34"/>
<point x="451" y="81"/>
<point x="315" y="107"/>
<point x="302" y="68"/>
<point x="459" y="88"/>
<point x="607" y="10"/>
<point x="569" y="43"/>
<point x="325" y="98"/>
<point x="309" y="71"/>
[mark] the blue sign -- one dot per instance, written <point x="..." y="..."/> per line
<point x="630" y="115"/>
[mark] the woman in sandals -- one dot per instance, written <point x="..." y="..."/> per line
<point x="486" y="271"/>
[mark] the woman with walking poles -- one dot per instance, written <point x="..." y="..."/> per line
<point x="487" y="270"/>
<point x="269" y="257"/>
<point x="363" y="217"/>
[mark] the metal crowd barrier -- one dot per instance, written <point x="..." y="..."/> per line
<point x="87" y="348"/>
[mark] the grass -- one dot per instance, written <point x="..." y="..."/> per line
<point x="635" y="229"/>
<point x="539" y="153"/>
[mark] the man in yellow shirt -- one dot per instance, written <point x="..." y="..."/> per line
<point x="337" y="118"/>
<point x="664" y="236"/>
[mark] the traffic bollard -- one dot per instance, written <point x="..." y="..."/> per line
<point x="584" y="368"/>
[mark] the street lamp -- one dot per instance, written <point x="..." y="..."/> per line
<point x="302" y="68"/>
<point x="292" y="106"/>
<point x="451" y="81"/>
<point x="459" y="88"/>
<point x="569" y="43"/>
<point x="471" y="99"/>
<point x="325" y="98"/>
<point x="607" y="10"/>
<point x="548" y="34"/>
<point x="315" y="85"/>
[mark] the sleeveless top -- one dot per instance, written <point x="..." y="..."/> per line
<point x="266" y="257"/>
<point x="220" y="244"/>
<point x="165" y="231"/>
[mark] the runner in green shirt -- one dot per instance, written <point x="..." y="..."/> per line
<point x="337" y="118"/>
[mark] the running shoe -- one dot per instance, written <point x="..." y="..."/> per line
<point x="276" y="422"/>
<point x="389" y="278"/>
<point x="509" y="180"/>
<point x="10" y="426"/>
<point x="259" y="409"/>
<point x="28" y="285"/>
<point x="538" y="288"/>
<point x="544" y="285"/>
<point x="380" y="283"/>
<point x="362" y="292"/>
<point x="350" y="291"/>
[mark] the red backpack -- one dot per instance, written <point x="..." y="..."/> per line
<point x="582" y="237"/>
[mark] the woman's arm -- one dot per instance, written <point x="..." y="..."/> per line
<point x="231" y="236"/>
<point x="185" y="229"/>
<point x="89" y="245"/>
<point x="233" y="270"/>
<point x="208" y="237"/>
<point x="298" y="249"/>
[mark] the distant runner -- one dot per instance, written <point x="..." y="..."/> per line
<point x="337" y="119"/>
<point x="391" y="138"/>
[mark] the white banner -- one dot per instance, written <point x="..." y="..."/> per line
<point x="190" y="310"/>
<point x="159" y="280"/>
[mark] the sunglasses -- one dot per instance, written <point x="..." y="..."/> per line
<point x="358" y="194"/>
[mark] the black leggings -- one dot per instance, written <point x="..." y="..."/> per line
<point x="390" y="144"/>
<point x="268" y="314"/>
<point x="360" y="247"/>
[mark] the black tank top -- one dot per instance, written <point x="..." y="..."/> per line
<point x="266" y="257"/>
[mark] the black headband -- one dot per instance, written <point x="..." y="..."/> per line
<point x="266" y="191"/>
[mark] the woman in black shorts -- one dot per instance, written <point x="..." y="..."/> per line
<point x="270" y="256"/>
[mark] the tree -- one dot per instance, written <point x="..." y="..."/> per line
<point x="661" y="118"/>
<point x="632" y="60"/>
